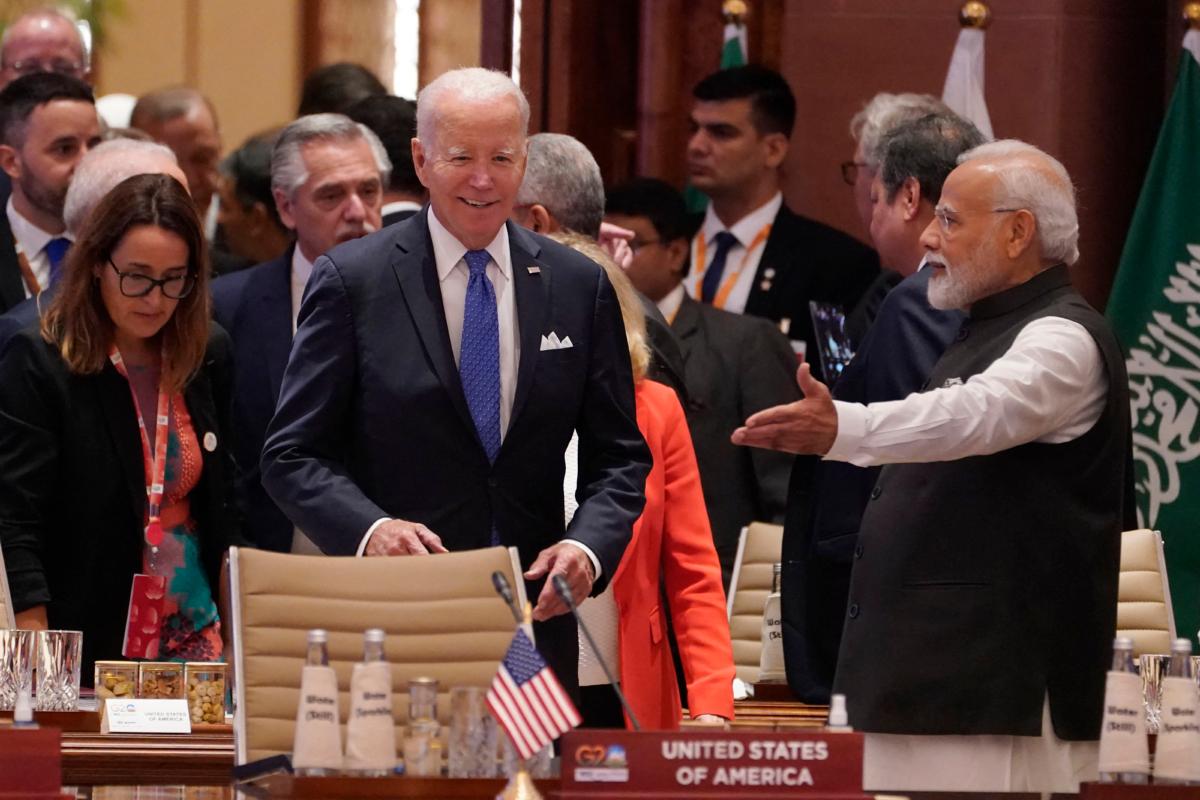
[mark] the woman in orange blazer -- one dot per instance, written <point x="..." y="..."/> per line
<point x="671" y="553"/>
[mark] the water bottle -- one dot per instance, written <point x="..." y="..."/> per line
<point x="1124" y="749"/>
<point x="770" y="665"/>
<point x="371" y="732"/>
<point x="317" y="749"/>
<point x="1177" y="757"/>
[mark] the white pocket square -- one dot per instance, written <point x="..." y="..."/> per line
<point x="552" y="342"/>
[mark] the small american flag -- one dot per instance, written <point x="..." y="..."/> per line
<point x="529" y="702"/>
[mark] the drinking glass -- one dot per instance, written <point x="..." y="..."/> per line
<point x="16" y="666"/>
<point x="538" y="765"/>
<point x="1152" y="668"/>
<point x="472" y="734"/>
<point x="59" y="654"/>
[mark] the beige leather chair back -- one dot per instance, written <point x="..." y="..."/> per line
<point x="442" y="616"/>
<point x="1144" y="599"/>
<point x="759" y="549"/>
<point x="7" y="616"/>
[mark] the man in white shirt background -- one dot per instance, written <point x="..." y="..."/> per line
<point x="328" y="176"/>
<point x="982" y="601"/>
<point x="47" y="123"/>
<point x="753" y="254"/>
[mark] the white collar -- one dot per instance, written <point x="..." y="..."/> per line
<point x="301" y="266"/>
<point x="448" y="251"/>
<point x="746" y="228"/>
<point x="30" y="237"/>
<point x="671" y="301"/>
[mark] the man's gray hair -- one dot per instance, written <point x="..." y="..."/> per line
<point x="885" y="111"/>
<point x="51" y="13"/>
<point x="474" y="84"/>
<point x="562" y="175"/>
<point x="925" y="149"/>
<point x="1021" y="184"/>
<point x="288" y="171"/>
<point x="163" y="105"/>
<point x="101" y="169"/>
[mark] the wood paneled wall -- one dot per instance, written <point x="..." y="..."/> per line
<point x="1086" y="80"/>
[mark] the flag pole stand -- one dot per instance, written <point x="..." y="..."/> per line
<point x="520" y="785"/>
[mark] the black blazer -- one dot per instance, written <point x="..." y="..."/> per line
<point x="735" y="365"/>
<point x="807" y="260"/>
<point x="827" y="498"/>
<point x="255" y="306"/>
<point x="73" y="494"/>
<point x="12" y="285"/>
<point x="372" y="421"/>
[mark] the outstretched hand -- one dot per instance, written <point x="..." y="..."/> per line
<point x="805" y="426"/>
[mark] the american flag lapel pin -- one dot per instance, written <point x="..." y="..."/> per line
<point x="534" y="269"/>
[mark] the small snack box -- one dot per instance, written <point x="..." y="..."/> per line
<point x="161" y="680"/>
<point x="206" y="692"/>
<point x="115" y="679"/>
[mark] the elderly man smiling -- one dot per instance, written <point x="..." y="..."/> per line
<point x="440" y="365"/>
<point x="983" y="597"/>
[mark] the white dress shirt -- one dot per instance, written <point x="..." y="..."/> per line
<point x="669" y="305"/>
<point x="301" y="269"/>
<point x="1050" y="386"/>
<point x="599" y="613"/>
<point x="31" y="241"/>
<point x="744" y="230"/>
<point x="453" y="275"/>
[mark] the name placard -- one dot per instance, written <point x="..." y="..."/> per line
<point x="617" y="763"/>
<point x="124" y="715"/>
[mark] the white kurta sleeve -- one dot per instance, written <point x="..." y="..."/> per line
<point x="1049" y="386"/>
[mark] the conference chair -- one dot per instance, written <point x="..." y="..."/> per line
<point x="760" y="547"/>
<point x="8" y="618"/>
<point x="1144" y="596"/>
<point x="442" y="617"/>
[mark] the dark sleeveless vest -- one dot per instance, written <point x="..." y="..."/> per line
<point x="982" y="584"/>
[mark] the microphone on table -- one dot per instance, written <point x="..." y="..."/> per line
<point x="502" y="587"/>
<point x="564" y="594"/>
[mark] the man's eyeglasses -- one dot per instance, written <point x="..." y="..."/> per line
<point x="948" y="219"/>
<point x="60" y="66"/>
<point x="134" y="284"/>
<point x="850" y="171"/>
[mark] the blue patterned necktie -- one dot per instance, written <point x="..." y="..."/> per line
<point x="712" y="275"/>
<point x="55" y="250"/>
<point x="479" y="355"/>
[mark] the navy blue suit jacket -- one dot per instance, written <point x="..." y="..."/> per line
<point x="372" y="421"/>
<point x="255" y="306"/>
<point x="827" y="498"/>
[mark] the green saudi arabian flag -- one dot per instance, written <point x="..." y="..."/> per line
<point x="1155" y="310"/>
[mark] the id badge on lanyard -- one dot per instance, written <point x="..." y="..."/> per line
<point x="143" y="623"/>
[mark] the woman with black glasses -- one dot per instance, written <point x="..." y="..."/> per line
<point x="113" y="462"/>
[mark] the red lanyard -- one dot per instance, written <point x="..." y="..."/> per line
<point x="156" y="468"/>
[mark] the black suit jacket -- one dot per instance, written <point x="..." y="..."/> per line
<point x="73" y="493"/>
<point x="372" y="421"/>
<point x="398" y="216"/>
<point x="25" y="314"/>
<point x="12" y="285"/>
<point x="807" y="260"/>
<point x="827" y="498"/>
<point x="735" y="366"/>
<point x="255" y="306"/>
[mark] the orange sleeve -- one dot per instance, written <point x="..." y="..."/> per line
<point x="692" y="573"/>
